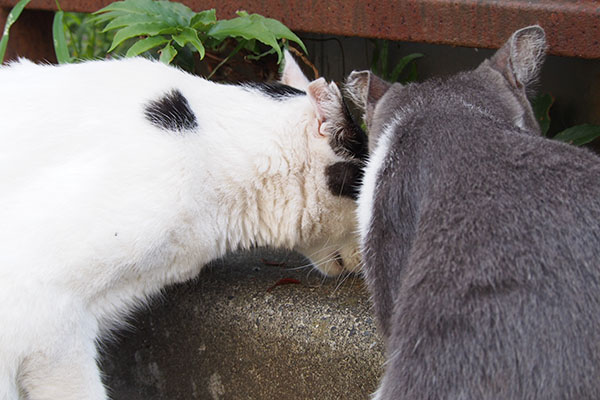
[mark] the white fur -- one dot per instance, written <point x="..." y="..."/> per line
<point x="100" y="209"/>
<point x="292" y="74"/>
<point x="370" y="178"/>
<point x="378" y="395"/>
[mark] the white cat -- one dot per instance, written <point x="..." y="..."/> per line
<point x="120" y="177"/>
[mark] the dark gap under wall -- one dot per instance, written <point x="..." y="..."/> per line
<point x="574" y="82"/>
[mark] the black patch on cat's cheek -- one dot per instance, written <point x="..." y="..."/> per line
<point x="344" y="178"/>
<point x="275" y="90"/>
<point x="171" y="112"/>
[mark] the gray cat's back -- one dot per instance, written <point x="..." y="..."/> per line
<point x="482" y="246"/>
<point x="504" y="261"/>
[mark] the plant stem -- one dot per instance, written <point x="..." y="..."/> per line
<point x="234" y="52"/>
<point x="305" y="60"/>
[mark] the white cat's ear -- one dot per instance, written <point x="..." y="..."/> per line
<point x="365" y="89"/>
<point x="292" y="75"/>
<point x="327" y="101"/>
<point x="521" y="58"/>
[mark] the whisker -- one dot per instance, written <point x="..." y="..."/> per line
<point x="329" y="257"/>
<point x="310" y="271"/>
<point x="322" y="248"/>
<point x="326" y="258"/>
<point x="341" y="279"/>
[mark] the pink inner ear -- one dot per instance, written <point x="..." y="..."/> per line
<point x="319" y="97"/>
<point x="319" y="129"/>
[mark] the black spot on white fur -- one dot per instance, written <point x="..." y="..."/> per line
<point x="171" y="112"/>
<point x="344" y="178"/>
<point x="351" y="143"/>
<point x="275" y="90"/>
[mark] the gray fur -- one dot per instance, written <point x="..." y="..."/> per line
<point x="483" y="248"/>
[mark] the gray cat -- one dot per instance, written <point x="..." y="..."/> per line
<point x="481" y="238"/>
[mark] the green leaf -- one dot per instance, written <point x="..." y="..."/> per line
<point x="132" y="6"/>
<point x="579" y="135"/>
<point x="167" y="54"/>
<point x="412" y="74"/>
<point x="85" y="40"/>
<point x="247" y="27"/>
<point x="253" y="47"/>
<point x="401" y="65"/>
<point x="59" y="39"/>
<point x="130" y="19"/>
<point x="261" y="55"/>
<point x="180" y="9"/>
<point x="225" y="28"/>
<point x="541" y="109"/>
<point x="72" y="19"/>
<point x="376" y="55"/>
<point x="171" y="13"/>
<point x="13" y="15"/>
<point x="204" y="19"/>
<point x="145" y="29"/>
<point x="99" y="19"/>
<point x="189" y="35"/>
<point x="282" y="31"/>
<point x="384" y="57"/>
<point x="145" y="44"/>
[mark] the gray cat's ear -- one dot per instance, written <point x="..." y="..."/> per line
<point x="365" y="89"/>
<point x="291" y="74"/>
<point x="327" y="101"/>
<point x="521" y="58"/>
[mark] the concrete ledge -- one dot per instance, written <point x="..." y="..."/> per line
<point x="232" y="334"/>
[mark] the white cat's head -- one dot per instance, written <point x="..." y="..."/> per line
<point x="337" y="150"/>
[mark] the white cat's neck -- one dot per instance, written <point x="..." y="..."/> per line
<point x="261" y="202"/>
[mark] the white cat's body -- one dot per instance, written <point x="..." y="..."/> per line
<point x="100" y="209"/>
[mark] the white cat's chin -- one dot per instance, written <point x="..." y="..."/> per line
<point x="331" y="268"/>
<point x="335" y="260"/>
